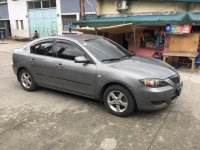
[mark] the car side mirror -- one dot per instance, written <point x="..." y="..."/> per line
<point x="81" y="59"/>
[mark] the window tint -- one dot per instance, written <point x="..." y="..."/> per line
<point x="45" y="4"/>
<point x="104" y="49"/>
<point x="17" y="25"/>
<point x="3" y="1"/>
<point x="45" y="48"/>
<point x="67" y="20"/>
<point x="22" y="24"/>
<point x="37" y="4"/>
<point x="67" y="50"/>
<point x="30" y="5"/>
<point x="42" y="4"/>
<point x="53" y="3"/>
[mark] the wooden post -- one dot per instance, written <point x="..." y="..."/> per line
<point x="165" y="58"/>
<point x="96" y="33"/>
<point x="193" y="63"/>
<point x="82" y="9"/>
<point x="134" y="34"/>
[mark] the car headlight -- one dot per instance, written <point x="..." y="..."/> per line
<point x="153" y="82"/>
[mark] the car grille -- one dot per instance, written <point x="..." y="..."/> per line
<point x="176" y="79"/>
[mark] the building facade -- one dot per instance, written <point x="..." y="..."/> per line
<point x="149" y="19"/>
<point x="28" y="16"/>
<point x="18" y="18"/>
<point x="4" y="20"/>
<point x="48" y="17"/>
<point x="69" y="11"/>
<point x="42" y="16"/>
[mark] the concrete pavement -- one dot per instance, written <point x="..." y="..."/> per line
<point x="52" y="120"/>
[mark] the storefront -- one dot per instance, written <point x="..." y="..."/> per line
<point x="183" y="46"/>
<point x="160" y="39"/>
<point x="151" y="35"/>
<point x="149" y="40"/>
<point x="149" y="29"/>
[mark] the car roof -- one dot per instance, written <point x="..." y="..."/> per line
<point x="72" y="37"/>
<point x="83" y="37"/>
<point x="79" y="37"/>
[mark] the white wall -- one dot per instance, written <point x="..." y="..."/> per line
<point x="18" y="11"/>
<point x="75" y="13"/>
<point x="59" y="17"/>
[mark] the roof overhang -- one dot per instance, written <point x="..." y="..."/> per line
<point x="194" y="17"/>
<point x="85" y="29"/>
<point x="175" y="18"/>
<point x="115" y="29"/>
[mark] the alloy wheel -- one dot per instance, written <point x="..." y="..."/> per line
<point x="26" y="80"/>
<point x="117" y="101"/>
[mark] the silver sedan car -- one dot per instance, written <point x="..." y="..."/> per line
<point x="98" y="68"/>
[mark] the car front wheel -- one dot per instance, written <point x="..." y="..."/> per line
<point x="119" y="101"/>
<point x="27" y="81"/>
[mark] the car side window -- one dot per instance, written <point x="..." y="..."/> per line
<point x="68" y="50"/>
<point x="44" y="48"/>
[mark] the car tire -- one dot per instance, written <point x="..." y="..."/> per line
<point x="26" y="80"/>
<point x="119" y="101"/>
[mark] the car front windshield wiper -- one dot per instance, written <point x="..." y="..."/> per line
<point x="110" y="59"/>
<point x="127" y="55"/>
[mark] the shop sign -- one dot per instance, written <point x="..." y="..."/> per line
<point x="178" y="29"/>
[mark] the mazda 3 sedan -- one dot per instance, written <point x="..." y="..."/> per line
<point x="98" y="68"/>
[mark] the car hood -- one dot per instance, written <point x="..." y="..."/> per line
<point x="144" y="67"/>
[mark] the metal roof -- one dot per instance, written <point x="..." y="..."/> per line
<point x="176" y="18"/>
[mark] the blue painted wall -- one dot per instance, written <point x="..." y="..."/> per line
<point x="72" y="6"/>
<point x="4" y="11"/>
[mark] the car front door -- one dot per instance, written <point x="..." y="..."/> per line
<point x="41" y="61"/>
<point x="79" y="78"/>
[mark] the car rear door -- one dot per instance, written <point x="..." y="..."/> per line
<point x="74" y="77"/>
<point x="42" y="64"/>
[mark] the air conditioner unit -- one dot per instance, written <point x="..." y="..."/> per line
<point x="121" y="5"/>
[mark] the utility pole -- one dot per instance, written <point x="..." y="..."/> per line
<point x="82" y="9"/>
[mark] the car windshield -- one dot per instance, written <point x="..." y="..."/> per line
<point x="106" y="50"/>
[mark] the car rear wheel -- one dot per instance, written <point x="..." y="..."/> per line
<point x="119" y="101"/>
<point x="27" y="81"/>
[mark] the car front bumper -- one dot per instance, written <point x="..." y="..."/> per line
<point x="14" y="69"/>
<point x="150" y="99"/>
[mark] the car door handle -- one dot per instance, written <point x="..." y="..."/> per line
<point x="32" y="60"/>
<point x="59" y="66"/>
